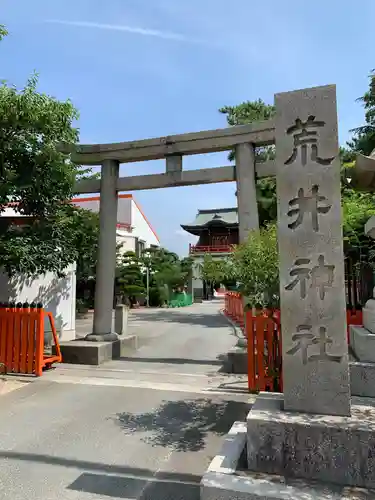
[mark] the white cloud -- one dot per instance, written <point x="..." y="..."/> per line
<point x="187" y="236"/>
<point x="128" y="29"/>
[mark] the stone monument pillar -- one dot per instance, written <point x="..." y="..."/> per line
<point x="310" y="432"/>
<point x="312" y="288"/>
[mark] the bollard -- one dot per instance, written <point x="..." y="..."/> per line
<point x="121" y="319"/>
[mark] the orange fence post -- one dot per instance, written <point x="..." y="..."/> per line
<point x="58" y="357"/>
<point x="22" y="339"/>
<point x="259" y="335"/>
<point x="353" y="317"/>
<point x="251" y="375"/>
<point x="263" y="352"/>
<point x="264" y="346"/>
<point x="39" y="347"/>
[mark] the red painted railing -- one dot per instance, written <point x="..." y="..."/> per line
<point x="210" y="249"/>
<point x="22" y="339"/>
<point x="264" y="351"/>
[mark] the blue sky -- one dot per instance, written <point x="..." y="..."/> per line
<point x="147" y="68"/>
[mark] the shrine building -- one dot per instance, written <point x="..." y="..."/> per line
<point x="217" y="231"/>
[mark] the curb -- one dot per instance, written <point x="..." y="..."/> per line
<point x="236" y="329"/>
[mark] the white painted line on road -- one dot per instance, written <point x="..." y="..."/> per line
<point x="145" y="372"/>
<point x="139" y="384"/>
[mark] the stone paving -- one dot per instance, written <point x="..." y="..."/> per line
<point x="145" y="427"/>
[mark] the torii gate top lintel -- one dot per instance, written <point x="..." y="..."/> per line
<point x="207" y="141"/>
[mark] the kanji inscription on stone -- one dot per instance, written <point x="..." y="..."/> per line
<point x="312" y="286"/>
<point x="311" y="204"/>
<point x="319" y="276"/>
<point x="304" y="338"/>
<point x="305" y="133"/>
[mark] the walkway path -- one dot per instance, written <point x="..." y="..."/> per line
<point x="143" y="428"/>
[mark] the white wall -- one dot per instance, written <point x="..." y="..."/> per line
<point x="142" y="229"/>
<point x="58" y="296"/>
<point x="124" y="205"/>
<point x="128" y="212"/>
<point x="126" y="240"/>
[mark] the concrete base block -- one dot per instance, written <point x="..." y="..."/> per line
<point x="237" y="360"/>
<point x="362" y="379"/>
<point x="226" y="479"/>
<point x="85" y="352"/>
<point x="325" y="448"/>
<point x="64" y="336"/>
<point x="363" y="343"/>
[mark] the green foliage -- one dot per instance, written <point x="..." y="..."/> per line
<point x="33" y="173"/>
<point x="213" y="271"/>
<point x="255" y="266"/>
<point x="39" y="180"/>
<point x="249" y="112"/>
<point x="130" y="277"/>
<point x="86" y="232"/>
<point x="3" y="31"/>
<point x="359" y="207"/>
<point x="166" y="269"/>
<point x="363" y="140"/>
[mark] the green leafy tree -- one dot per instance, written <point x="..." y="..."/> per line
<point x="3" y="31"/>
<point x="363" y="140"/>
<point x="38" y="179"/>
<point x="213" y="271"/>
<point x="255" y="266"/>
<point x="167" y="273"/>
<point x="130" y="278"/>
<point x="359" y="207"/>
<point x="249" y="112"/>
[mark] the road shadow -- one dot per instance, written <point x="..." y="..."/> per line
<point x="131" y="483"/>
<point x="171" y="316"/>
<point x="135" y="488"/>
<point x="184" y="425"/>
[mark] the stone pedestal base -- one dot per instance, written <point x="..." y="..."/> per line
<point x="227" y="479"/>
<point x="325" y="448"/>
<point x="237" y="360"/>
<point x="83" y="352"/>
<point x="368" y="315"/>
<point x="363" y="343"/>
<point x="362" y="379"/>
<point x="105" y="337"/>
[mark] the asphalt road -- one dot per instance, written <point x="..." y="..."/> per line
<point x="144" y="427"/>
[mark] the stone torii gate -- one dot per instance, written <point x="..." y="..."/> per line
<point x="243" y="139"/>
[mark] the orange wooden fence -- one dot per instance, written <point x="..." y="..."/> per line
<point x="264" y="352"/>
<point x="22" y="339"/>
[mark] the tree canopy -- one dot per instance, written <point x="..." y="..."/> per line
<point x="166" y="274"/>
<point x="130" y="277"/>
<point x="3" y="31"/>
<point x="357" y="207"/>
<point x="214" y="271"/>
<point x="255" y="266"/>
<point x="38" y="180"/>
<point x="363" y="140"/>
